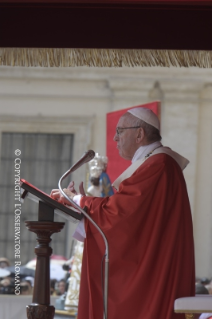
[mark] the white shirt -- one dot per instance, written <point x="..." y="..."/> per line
<point x="142" y="151"/>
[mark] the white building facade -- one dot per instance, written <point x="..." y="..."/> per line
<point x="76" y="101"/>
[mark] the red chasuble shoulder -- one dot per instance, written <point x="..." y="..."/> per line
<point x="149" y="229"/>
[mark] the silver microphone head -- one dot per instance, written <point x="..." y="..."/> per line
<point x="86" y="157"/>
<point x="89" y="155"/>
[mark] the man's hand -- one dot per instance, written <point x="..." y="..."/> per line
<point x="70" y="192"/>
<point x="72" y="189"/>
<point x="55" y="194"/>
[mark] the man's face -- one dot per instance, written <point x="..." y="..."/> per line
<point x="61" y="287"/>
<point x="126" y="139"/>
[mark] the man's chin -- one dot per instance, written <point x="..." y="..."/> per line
<point x="124" y="156"/>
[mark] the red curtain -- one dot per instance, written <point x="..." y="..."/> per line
<point x="116" y="164"/>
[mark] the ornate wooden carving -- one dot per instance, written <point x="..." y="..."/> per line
<point x="40" y="312"/>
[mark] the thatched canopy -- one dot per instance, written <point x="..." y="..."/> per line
<point x="111" y="33"/>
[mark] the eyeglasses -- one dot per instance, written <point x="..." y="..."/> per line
<point x="120" y="129"/>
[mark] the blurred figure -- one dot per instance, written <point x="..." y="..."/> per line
<point x="207" y="283"/>
<point x="26" y="287"/>
<point x="204" y="281"/>
<point x="4" y="262"/>
<point x="52" y="287"/>
<point x="67" y="266"/>
<point x="61" y="287"/>
<point x="200" y="289"/>
<point x="30" y="280"/>
<point x="7" y="286"/>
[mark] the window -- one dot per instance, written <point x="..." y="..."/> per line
<point x="44" y="158"/>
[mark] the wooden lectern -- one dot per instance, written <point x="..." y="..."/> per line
<point x="44" y="228"/>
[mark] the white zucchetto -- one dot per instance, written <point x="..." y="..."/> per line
<point x="146" y="115"/>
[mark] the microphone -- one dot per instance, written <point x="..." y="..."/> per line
<point x="86" y="157"/>
<point x="89" y="155"/>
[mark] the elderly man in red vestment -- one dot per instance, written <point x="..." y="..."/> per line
<point x="148" y="225"/>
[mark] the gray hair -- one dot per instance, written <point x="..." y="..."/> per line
<point x="152" y="133"/>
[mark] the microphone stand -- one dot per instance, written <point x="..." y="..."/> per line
<point x="98" y="228"/>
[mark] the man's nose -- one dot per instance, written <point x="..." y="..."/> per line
<point x="116" y="137"/>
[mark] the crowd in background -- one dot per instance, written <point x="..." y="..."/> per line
<point x="58" y="287"/>
<point x="203" y="286"/>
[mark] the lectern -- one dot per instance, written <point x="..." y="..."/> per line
<point x="44" y="228"/>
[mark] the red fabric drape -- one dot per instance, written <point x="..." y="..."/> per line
<point x="151" y="255"/>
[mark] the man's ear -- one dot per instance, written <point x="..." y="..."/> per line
<point x="140" y="135"/>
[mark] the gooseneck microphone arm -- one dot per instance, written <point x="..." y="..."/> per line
<point x="89" y="155"/>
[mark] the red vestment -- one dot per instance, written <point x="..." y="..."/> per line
<point x="148" y="226"/>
